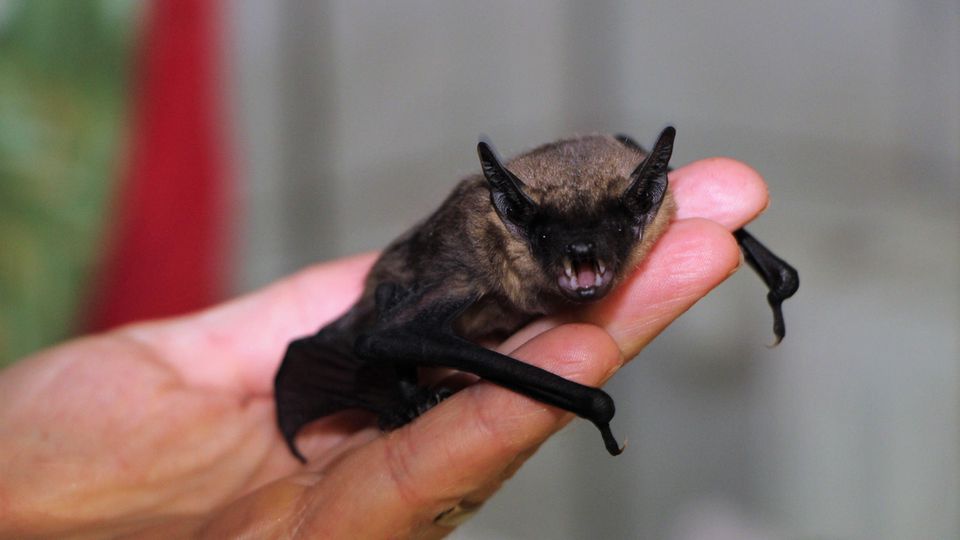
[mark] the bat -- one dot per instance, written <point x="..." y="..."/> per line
<point x="556" y="227"/>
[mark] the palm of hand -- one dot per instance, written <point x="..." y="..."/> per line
<point x="151" y="420"/>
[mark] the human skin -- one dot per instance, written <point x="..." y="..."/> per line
<point x="167" y="428"/>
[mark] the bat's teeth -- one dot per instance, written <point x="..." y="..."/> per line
<point x="568" y="268"/>
<point x="599" y="269"/>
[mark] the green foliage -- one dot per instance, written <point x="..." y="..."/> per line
<point x="64" y="70"/>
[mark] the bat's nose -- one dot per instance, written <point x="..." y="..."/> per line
<point x="582" y="248"/>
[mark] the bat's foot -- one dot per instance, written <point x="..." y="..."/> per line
<point x="420" y="402"/>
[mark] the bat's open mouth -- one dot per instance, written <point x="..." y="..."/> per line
<point x="584" y="279"/>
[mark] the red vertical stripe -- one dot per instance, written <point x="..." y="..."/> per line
<point x="166" y="254"/>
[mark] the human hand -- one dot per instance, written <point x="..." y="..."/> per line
<point x="167" y="427"/>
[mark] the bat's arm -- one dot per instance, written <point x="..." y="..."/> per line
<point x="782" y="279"/>
<point x="428" y="339"/>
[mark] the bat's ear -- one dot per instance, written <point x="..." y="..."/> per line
<point x="648" y="182"/>
<point x="513" y="206"/>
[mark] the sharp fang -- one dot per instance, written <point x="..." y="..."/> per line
<point x="601" y="269"/>
<point x="568" y="267"/>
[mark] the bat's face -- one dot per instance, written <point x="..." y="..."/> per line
<point x="582" y="241"/>
<point x="584" y="253"/>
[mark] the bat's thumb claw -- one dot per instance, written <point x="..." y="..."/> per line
<point x="779" y="328"/>
<point x="609" y="441"/>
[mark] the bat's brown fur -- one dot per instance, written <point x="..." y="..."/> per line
<point x="466" y="245"/>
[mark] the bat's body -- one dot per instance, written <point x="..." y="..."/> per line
<point x="559" y="225"/>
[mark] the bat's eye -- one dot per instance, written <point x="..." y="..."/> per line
<point x="543" y="236"/>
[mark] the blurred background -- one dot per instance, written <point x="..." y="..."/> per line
<point x="157" y="157"/>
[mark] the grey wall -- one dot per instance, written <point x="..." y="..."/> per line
<point x="355" y="119"/>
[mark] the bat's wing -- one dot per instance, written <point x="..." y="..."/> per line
<point x="321" y="375"/>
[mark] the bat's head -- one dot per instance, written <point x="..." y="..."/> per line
<point x="581" y="214"/>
